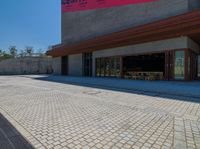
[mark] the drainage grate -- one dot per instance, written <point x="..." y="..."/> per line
<point x="91" y="92"/>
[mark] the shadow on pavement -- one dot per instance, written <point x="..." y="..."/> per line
<point x="10" y="138"/>
<point x="179" y="92"/>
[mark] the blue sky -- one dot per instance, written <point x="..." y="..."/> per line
<point x="33" y="23"/>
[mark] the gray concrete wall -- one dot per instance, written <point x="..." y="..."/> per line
<point x="157" y="46"/>
<point x="194" y="4"/>
<point x="29" y="65"/>
<point x="75" y="65"/>
<point x="56" y="64"/>
<point x="82" y="25"/>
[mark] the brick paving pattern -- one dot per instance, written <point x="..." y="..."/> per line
<point x="66" y="116"/>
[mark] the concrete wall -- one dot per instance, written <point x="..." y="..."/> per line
<point x="29" y="65"/>
<point x="75" y="65"/>
<point x="157" y="46"/>
<point x="194" y="4"/>
<point x="193" y="45"/>
<point x="56" y="64"/>
<point x="82" y="25"/>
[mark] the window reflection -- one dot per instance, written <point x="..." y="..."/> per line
<point x="109" y="67"/>
<point x="179" y="65"/>
<point x="98" y="67"/>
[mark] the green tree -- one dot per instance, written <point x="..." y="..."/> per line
<point x="40" y="52"/>
<point x="13" y="51"/>
<point x="22" y="53"/>
<point x="29" y="51"/>
<point x="6" y="55"/>
<point x="1" y="52"/>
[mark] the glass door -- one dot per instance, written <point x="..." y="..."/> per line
<point x="192" y="66"/>
<point x="179" y="67"/>
<point x="108" y="67"/>
<point x="169" y="65"/>
<point x="87" y="64"/>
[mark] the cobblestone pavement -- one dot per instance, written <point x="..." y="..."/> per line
<point x="55" y="115"/>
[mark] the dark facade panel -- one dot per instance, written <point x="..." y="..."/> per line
<point x="194" y="4"/>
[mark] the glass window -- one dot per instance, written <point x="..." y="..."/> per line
<point x="87" y="64"/>
<point x="179" y="65"/>
<point x="199" y="66"/>
<point x="117" y="66"/>
<point x="102" y="67"/>
<point x="98" y="67"/>
<point x="109" y="67"/>
<point x="112" y="67"/>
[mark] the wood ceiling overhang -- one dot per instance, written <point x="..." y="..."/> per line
<point x="187" y="24"/>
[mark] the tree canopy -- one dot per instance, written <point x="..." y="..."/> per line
<point x="13" y="52"/>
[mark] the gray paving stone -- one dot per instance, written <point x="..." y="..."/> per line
<point x="65" y="116"/>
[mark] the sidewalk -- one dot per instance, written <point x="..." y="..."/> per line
<point x="73" y="112"/>
<point x="186" y="89"/>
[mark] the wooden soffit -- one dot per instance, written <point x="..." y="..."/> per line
<point x="187" y="24"/>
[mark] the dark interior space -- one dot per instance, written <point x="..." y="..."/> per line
<point x="64" y="67"/>
<point x="144" y="67"/>
<point x="153" y="62"/>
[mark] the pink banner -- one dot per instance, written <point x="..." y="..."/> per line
<point x="80" y="5"/>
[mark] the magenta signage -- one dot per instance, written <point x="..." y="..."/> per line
<point x="79" y="5"/>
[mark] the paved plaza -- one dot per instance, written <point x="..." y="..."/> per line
<point x="56" y="115"/>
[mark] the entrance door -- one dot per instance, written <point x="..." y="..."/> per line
<point x="64" y="67"/>
<point x="180" y="63"/>
<point x="169" y="65"/>
<point x="87" y="64"/>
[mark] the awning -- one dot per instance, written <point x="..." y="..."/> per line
<point x="187" y="24"/>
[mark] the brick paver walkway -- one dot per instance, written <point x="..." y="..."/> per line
<point x="54" y="115"/>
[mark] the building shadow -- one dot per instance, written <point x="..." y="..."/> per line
<point x="168" y="95"/>
<point x="10" y="138"/>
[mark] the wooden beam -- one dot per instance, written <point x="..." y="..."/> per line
<point x="183" y="25"/>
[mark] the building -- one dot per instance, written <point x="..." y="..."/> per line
<point x="158" y="40"/>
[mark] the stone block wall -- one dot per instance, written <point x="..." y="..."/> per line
<point x="28" y="65"/>
<point x="83" y="25"/>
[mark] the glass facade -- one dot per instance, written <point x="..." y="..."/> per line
<point x="183" y="66"/>
<point x="179" y="65"/>
<point x="87" y="64"/>
<point x="108" y="67"/>
<point x="144" y="67"/>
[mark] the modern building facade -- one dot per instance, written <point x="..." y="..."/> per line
<point x="158" y="40"/>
